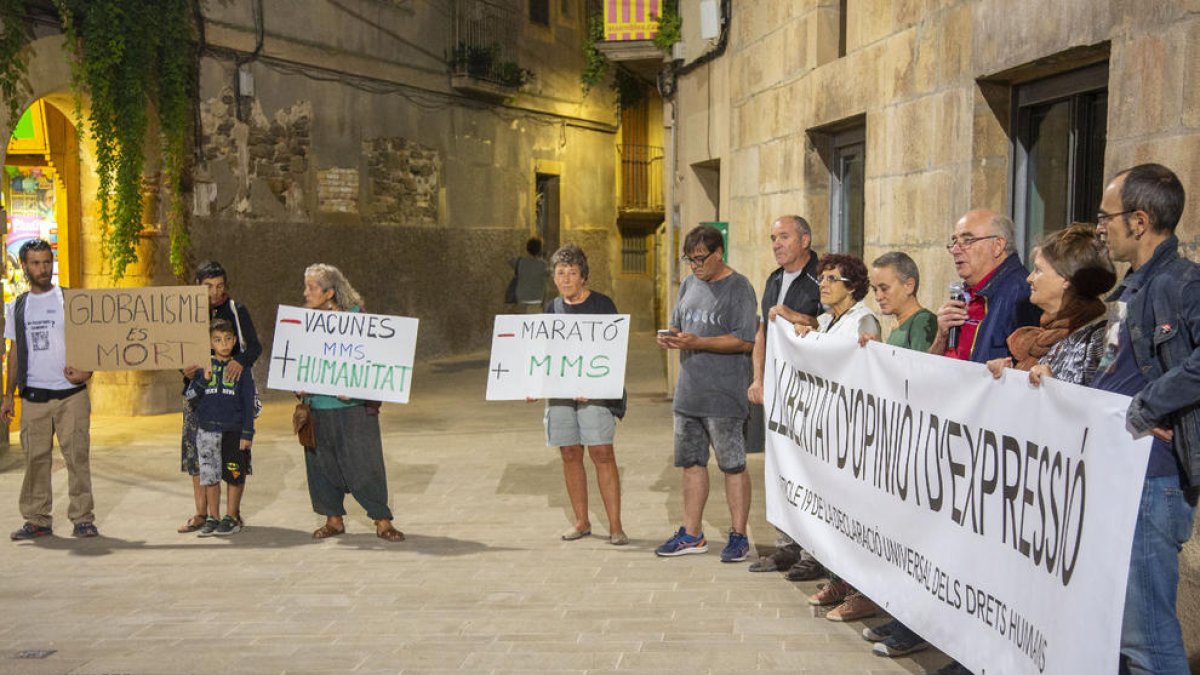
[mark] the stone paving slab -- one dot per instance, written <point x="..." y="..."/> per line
<point x="482" y="584"/>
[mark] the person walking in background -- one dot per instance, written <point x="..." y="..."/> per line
<point x="528" y="286"/>
<point x="572" y="424"/>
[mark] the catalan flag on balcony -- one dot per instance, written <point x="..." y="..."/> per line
<point x="631" y="19"/>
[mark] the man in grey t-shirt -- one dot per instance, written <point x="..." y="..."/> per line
<point x="713" y="326"/>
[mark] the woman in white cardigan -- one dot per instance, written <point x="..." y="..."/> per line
<point x="844" y="283"/>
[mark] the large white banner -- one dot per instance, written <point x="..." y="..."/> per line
<point x="558" y="356"/>
<point x="994" y="518"/>
<point x="367" y="356"/>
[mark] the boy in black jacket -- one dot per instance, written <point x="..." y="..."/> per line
<point x="225" y="416"/>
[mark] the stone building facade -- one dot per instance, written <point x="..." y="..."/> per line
<point x="414" y="145"/>
<point x="882" y="122"/>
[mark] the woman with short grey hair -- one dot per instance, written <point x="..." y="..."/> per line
<point x="572" y="424"/>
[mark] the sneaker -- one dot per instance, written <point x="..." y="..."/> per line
<point x="881" y="632"/>
<point x="682" y="543"/>
<point x="856" y="606"/>
<point x="209" y="527"/>
<point x="85" y="530"/>
<point x="807" y="569"/>
<point x="31" y="531"/>
<point x="900" y="643"/>
<point x="737" y="548"/>
<point x="832" y="593"/>
<point x="228" y="525"/>
<point x="783" y="558"/>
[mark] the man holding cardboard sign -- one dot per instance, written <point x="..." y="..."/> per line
<point x="56" y="399"/>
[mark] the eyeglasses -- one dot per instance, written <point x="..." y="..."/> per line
<point x="696" y="261"/>
<point x="966" y="241"/>
<point x="831" y="278"/>
<point x="1102" y="216"/>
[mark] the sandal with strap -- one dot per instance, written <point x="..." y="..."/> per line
<point x="390" y="534"/>
<point x="194" y="523"/>
<point x="325" y="532"/>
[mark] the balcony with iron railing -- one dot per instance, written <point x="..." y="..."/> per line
<point x="641" y="179"/>
<point x="483" y="59"/>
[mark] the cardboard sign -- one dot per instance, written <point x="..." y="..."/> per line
<point x="156" y="328"/>
<point x="558" y="356"/>
<point x="366" y="356"/>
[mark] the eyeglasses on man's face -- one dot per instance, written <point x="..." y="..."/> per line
<point x="831" y="279"/>
<point x="964" y="242"/>
<point x="696" y="261"/>
<point x="1101" y="216"/>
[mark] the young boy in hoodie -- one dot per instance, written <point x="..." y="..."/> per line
<point x="225" y="431"/>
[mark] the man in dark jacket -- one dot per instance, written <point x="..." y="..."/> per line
<point x="792" y="292"/>
<point x="997" y="303"/>
<point x="985" y="258"/>
<point x="1153" y="357"/>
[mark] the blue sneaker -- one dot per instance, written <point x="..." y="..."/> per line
<point x="682" y="544"/>
<point x="737" y="548"/>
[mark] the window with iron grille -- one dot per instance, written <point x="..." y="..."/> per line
<point x="635" y="252"/>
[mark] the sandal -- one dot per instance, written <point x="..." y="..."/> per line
<point x="194" y="523"/>
<point x="325" y="532"/>
<point x="390" y="534"/>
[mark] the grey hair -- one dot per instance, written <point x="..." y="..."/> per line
<point x="801" y="225"/>
<point x="1003" y="226"/>
<point x="329" y="277"/>
<point x="904" y="266"/>
<point x="570" y="255"/>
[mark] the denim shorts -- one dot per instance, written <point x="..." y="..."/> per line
<point x="694" y="435"/>
<point x="573" y="423"/>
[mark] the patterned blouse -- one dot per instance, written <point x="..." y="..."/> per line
<point x="1075" y="358"/>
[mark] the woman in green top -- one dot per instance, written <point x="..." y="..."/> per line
<point x="895" y="279"/>
<point x="349" y="452"/>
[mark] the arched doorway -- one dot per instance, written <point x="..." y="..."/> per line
<point x="40" y="198"/>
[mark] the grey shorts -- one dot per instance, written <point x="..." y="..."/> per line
<point x="572" y="423"/>
<point x="693" y="436"/>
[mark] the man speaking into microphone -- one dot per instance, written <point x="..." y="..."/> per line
<point x="994" y="298"/>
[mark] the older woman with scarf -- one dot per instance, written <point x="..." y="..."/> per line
<point x="348" y="456"/>
<point x="1071" y="271"/>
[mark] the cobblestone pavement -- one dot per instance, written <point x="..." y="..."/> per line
<point x="482" y="583"/>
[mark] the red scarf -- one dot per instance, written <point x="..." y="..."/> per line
<point x="1030" y="343"/>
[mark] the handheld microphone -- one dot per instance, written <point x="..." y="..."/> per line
<point x="958" y="291"/>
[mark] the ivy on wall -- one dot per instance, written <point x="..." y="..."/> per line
<point x="14" y="36"/>
<point x="135" y="61"/>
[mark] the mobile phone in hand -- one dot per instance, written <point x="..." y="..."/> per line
<point x="667" y="332"/>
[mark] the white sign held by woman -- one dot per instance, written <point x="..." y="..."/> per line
<point x="558" y="356"/>
<point x="366" y="356"/>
